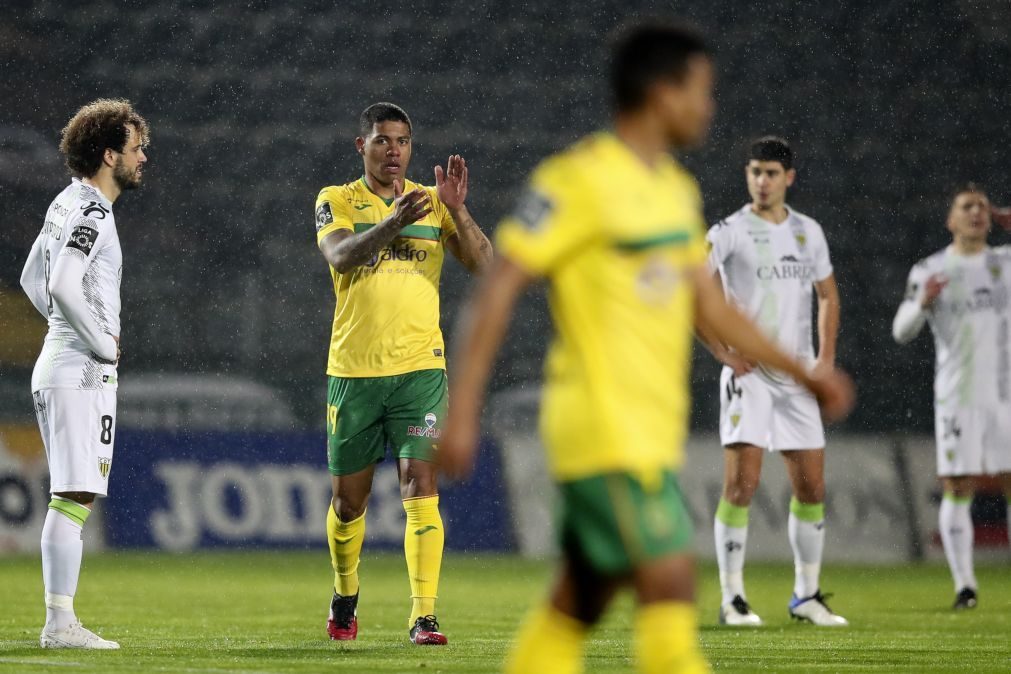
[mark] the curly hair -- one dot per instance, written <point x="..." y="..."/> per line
<point x="98" y="126"/>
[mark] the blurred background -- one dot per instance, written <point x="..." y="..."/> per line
<point x="227" y="303"/>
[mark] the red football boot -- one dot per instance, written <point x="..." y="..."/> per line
<point x="426" y="632"/>
<point x="342" y="623"/>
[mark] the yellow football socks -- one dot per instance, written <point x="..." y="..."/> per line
<point x="549" y="642"/>
<point x="667" y="639"/>
<point x="423" y="542"/>
<point x="345" y="540"/>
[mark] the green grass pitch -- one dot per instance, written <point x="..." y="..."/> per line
<point x="264" y="612"/>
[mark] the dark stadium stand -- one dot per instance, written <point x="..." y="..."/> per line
<point x="254" y="105"/>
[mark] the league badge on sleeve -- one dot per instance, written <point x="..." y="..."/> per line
<point x="83" y="238"/>
<point x="324" y="216"/>
<point x="532" y="210"/>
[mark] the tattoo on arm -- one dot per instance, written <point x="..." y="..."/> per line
<point x="475" y="246"/>
<point x="353" y="250"/>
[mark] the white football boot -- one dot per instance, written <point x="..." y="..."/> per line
<point x="814" y="610"/>
<point x="75" y="636"/>
<point x="738" y="613"/>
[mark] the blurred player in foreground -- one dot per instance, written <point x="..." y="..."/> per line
<point x="73" y="278"/>
<point x="384" y="238"/>
<point x="769" y="258"/>
<point x="962" y="291"/>
<point x="615" y="226"/>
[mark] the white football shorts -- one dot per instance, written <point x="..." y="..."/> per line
<point x="79" y="431"/>
<point x="972" y="440"/>
<point x="758" y="411"/>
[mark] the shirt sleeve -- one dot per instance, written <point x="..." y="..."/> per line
<point x="333" y="212"/>
<point x="822" y="261"/>
<point x="33" y="277"/>
<point x="66" y="283"/>
<point x="911" y="317"/>
<point x="718" y="243"/>
<point x="553" y="220"/>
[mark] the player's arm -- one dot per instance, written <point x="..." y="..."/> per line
<point x="66" y="287"/>
<point x="33" y="278"/>
<point x="468" y="243"/>
<point x="479" y="333"/>
<point x="917" y="303"/>
<point x="345" y="249"/>
<point x="741" y="366"/>
<point x="828" y="321"/>
<point x="833" y="389"/>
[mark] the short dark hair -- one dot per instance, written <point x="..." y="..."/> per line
<point x="95" y="128"/>
<point x="772" y="148"/>
<point x="382" y="112"/>
<point x="967" y="188"/>
<point x="645" y="52"/>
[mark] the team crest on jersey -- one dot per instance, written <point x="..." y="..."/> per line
<point x="104" y="466"/>
<point x="324" y="216"/>
<point x="735" y="419"/>
<point x="428" y="430"/>
<point x="995" y="271"/>
<point x="801" y="239"/>
<point x="657" y="281"/>
<point x="83" y="239"/>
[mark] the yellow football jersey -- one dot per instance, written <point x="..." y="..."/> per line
<point x="613" y="237"/>
<point x="387" y="317"/>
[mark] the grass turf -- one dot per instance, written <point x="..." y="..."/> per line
<point x="265" y="612"/>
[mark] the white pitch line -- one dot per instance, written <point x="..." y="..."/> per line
<point x="48" y="663"/>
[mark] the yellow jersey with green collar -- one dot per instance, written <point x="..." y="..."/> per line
<point x="386" y="321"/>
<point x="614" y="239"/>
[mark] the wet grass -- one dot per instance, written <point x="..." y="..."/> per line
<point x="265" y="611"/>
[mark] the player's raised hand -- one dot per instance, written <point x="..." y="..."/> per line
<point x="835" y="393"/>
<point x="451" y="184"/>
<point x="458" y="446"/>
<point x="411" y="207"/>
<point x="935" y="284"/>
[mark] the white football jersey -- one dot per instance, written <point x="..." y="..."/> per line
<point x="79" y="229"/>
<point x="768" y="271"/>
<point x="969" y="320"/>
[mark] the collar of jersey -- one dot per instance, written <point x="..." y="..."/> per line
<point x="789" y="214"/>
<point x="105" y="199"/>
<point x="388" y="202"/>
<point x="665" y="167"/>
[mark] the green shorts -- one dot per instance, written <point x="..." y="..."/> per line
<point x="365" y="414"/>
<point x="613" y="523"/>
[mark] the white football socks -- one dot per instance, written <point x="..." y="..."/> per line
<point x="730" y="530"/>
<point x="955" y="523"/>
<point x="62" y="548"/>
<point x="806" y="531"/>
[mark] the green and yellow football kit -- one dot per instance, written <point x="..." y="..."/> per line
<point x="614" y="238"/>
<point x="386" y="371"/>
<point x="386" y="346"/>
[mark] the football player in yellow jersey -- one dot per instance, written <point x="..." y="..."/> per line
<point x="384" y="238"/>
<point x="615" y="226"/>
